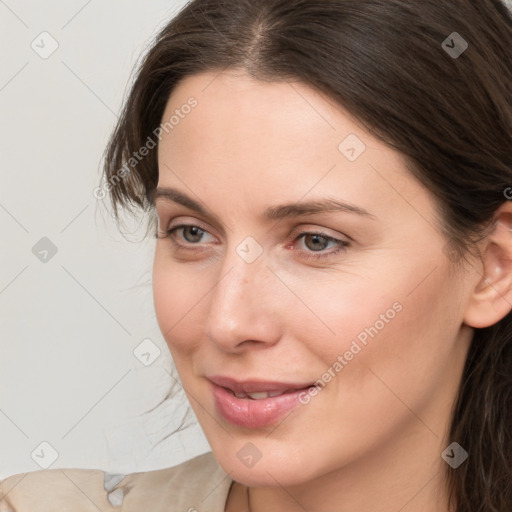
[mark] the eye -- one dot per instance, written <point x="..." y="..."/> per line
<point x="316" y="243"/>
<point x="190" y="233"/>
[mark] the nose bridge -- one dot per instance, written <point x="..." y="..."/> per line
<point x="238" y="282"/>
<point x="239" y="308"/>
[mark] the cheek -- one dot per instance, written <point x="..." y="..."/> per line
<point x="345" y="314"/>
<point x="397" y="349"/>
<point x="387" y="327"/>
<point x="176" y="294"/>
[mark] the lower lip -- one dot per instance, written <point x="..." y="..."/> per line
<point x="245" y="412"/>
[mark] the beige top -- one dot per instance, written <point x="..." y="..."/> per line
<point x="197" y="485"/>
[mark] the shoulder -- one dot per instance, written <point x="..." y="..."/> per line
<point x="54" y="488"/>
<point x="198" y="483"/>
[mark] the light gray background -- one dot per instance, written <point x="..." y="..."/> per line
<point x="69" y="325"/>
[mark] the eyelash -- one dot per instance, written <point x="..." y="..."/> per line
<point x="342" y="244"/>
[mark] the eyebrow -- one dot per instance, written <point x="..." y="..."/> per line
<point x="271" y="213"/>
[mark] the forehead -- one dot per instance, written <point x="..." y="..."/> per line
<point x="242" y="123"/>
<point x="232" y="103"/>
<point x="275" y="141"/>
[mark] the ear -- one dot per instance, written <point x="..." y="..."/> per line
<point x="491" y="299"/>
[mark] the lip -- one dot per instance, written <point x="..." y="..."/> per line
<point x="255" y="386"/>
<point x="249" y="413"/>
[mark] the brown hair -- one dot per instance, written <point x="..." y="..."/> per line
<point x="385" y="62"/>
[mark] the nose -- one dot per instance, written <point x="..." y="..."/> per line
<point x="244" y="306"/>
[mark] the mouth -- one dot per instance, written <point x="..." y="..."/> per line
<point x="257" y="389"/>
<point x="255" y="403"/>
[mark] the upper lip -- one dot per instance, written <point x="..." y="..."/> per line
<point x="255" y="386"/>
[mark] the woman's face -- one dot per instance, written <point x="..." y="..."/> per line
<point x="270" y="289"/>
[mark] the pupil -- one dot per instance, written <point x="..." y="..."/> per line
<point x="196" y="234"/>
<point x="316" y="239"/>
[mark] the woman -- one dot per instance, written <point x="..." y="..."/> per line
<point x="329" y="186"/>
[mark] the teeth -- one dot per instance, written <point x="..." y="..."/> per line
<point x="276" y="393"/>
<point x="264" y="394"/>
<point x="258" y="395"/>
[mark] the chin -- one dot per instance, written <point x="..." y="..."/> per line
<point x="274" y="468"/>
<point x="269" y="476"/>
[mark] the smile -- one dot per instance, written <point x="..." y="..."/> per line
<point x="254" y="404"/>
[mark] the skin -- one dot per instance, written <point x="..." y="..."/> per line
<point x="371" y="439"/>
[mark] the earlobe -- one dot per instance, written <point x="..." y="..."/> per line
<point x="491" y="299"/>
